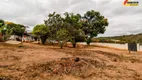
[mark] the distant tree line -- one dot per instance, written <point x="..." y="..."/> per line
<point x="71" y="27"/>
<point x="137" y="38"/>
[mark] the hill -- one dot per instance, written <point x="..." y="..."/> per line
<point x="121" y="39"/>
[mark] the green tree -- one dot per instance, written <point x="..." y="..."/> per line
<point x="20" y="29"/>
<point x="62" y="36"/>
<point x="93" y="23"/>
<point x="15" y="29"/>
<point x="1" y="23"/>
<point x="1" y="28"/>
<point x="12" y="29"/>
<point x="73" y="25"/>
<point x="55" y="23"/>
<point x="41" y="31"/>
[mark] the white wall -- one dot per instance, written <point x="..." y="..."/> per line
<point x="118" y="46"/>
<point x="139" y="47"/>
<point x="13" y="37"/>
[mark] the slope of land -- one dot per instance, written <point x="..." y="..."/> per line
<point x="37" y="62"/>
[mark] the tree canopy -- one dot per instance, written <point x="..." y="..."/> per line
<point x="55" y="23"/>
<point x="93" y="23"/>
<point x="10" y="28"/>
<point x="41" y="31"/>
<point x="73" y="27"/>
<point x="14" y="29"/>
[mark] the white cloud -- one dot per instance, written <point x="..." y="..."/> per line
<point x="122" y="19"/>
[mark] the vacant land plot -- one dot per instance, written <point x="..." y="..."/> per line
<point x="37" y="62"/>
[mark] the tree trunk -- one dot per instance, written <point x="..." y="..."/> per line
<point x="61" y="44"/>
<point x="0" y="37"/>
<point x="74" y="43"/>
<point x="43" y="39"/>
<point x="89" y="40"/>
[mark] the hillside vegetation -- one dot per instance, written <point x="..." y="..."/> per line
<point x="121" y="39"/>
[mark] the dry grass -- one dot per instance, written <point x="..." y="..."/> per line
<point x="36" y="62"/>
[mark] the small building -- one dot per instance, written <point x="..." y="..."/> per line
<point x="28" y="37"/>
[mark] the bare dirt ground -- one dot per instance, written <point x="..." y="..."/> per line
<point x="37" y="62"/>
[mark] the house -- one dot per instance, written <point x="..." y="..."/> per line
<point x="28" y="37"/>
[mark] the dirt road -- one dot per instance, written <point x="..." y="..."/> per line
<point x="37" y="62"/>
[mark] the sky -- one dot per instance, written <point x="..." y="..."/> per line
<point x="123" y="20"/>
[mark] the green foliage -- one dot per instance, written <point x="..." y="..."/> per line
<point x="12" y="29"/>
<point x="15" y="29"/>
<point x="122" y="39"/>
<point x="69" y="24"/>
<point x="73" y="26"/>
<point x="62" y="36"/>
<point x="9" y="28"/>
<point x="55" y="23"/>
<point x="41" y="31"/>
<point x="3" y="33"/>
<point x="1" y="23"/>
<point x="107" y="40"/>
<point x="93" y="23"/>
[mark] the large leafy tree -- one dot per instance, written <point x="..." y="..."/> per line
<point x="14" y="29"/>
<point x="57" y="28"/>
<point x="41" y="31"/>
<point x="55" y="23"/>
<point x="11" y="28"/>
<point x="93" y="23"/>
<point x="72" y="21"/>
